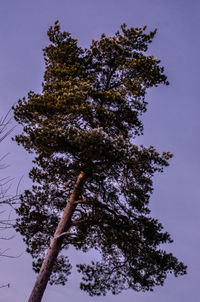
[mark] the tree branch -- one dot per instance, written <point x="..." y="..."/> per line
<point x="82" y="201"/>
<point x="76" y="222"/>
<point x="6" y="285"/>
<point x="64" y="234"/>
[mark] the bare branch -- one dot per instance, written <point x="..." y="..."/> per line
<point x="7" y="238"/>
<point x="6" y="285"/>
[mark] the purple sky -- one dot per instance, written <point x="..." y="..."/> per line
<point x="171" y="124"/>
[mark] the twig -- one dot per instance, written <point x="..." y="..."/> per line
<point x="6" y="285"/>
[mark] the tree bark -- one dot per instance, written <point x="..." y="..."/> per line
<point x="55" y="244"/>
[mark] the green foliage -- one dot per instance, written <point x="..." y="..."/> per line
<point x="86" y="119"/>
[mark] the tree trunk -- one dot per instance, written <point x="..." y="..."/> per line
<point x="55" y="244"/>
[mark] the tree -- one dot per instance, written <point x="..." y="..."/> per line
<point x="5" y="198"/>
<point x="89" y="176"/>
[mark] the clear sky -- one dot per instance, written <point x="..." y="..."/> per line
<point x="171" y="124"/>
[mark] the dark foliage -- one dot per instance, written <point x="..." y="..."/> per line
<point x="86" y="119"/>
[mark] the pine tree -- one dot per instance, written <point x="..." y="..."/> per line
<point x="92" y="184"/>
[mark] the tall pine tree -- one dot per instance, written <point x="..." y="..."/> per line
<point x="92" y="184"/>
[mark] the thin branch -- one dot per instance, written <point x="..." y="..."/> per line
<point x="65" y="234"/>
<point x="7" y="238"/>
<point x="65" y="185"/>
<point x="6" y="285"/>
<point x="76" y="222"/>
<point x="82" y="201"/>
<point x="2" y="254"/>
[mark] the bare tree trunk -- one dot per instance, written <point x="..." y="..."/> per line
<point x="55" y="245"/>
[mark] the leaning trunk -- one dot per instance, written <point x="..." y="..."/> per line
<point x="55" y="245"/>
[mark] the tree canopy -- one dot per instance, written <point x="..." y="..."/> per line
<point x="85" y="120"/>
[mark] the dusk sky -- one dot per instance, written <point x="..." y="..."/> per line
<point x="171" y="123"/>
